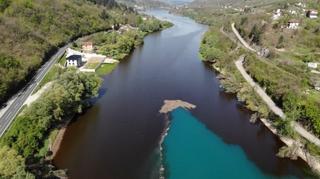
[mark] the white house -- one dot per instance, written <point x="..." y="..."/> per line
<point x="300" y="4"/>
<point x="312" y="14"/>
<point x="77" y="59"/>
<point x="313" y="65"/>
<point x="74" y="61"/>
<point x="293" y="24"/>
<point x="276" y="15"/>
<point x="74" y="58"/>
<point x="317" y="86"/>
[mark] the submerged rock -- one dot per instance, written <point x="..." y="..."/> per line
<point x="170" y="105"/>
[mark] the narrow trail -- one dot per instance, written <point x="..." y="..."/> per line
<point x="311" y="160"/>
<point x="243" y="42"/>
<point x="273" y="107"/>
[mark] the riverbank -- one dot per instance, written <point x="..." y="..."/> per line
<point x="166" y="67"/>
<point x="132" y="38"/>
<point x="295" y="146"/>
<point x="246" y="93"/>
<point x="40" y="119"/>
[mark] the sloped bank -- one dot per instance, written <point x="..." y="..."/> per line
<point x="222" y="61"/>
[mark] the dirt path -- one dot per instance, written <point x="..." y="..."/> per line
<point x="244" y="43"/>
<point x="35" y="96"/>
<point x="313" y="162"/>
<point x="272" y="106"/>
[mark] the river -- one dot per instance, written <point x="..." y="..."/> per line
<point x="118" y="138"/>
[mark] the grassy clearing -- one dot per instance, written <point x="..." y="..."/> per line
<point x="105" y="69"/>
<point x="49" y="141"/>
<point x="62" y="61"/>
<point x="92" y="65"/>
<point x="51" y="75"/>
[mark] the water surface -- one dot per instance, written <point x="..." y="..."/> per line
<point x="192" y="151"/>
<point x="118" y="138"/>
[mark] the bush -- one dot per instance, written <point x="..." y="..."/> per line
<point x="11" y="164"/>
<point x="285" y="127"/>
<point x="280" y="43"/>
<point x="215" y="47"/>
<point x="277" y="83"/>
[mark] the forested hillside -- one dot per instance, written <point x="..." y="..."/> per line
<point x="234" y="3"/>
<point x="31" y="30"/>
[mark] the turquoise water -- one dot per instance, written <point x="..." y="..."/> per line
<point x="191" y="151"/>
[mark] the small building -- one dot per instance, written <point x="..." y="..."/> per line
<point x="312" y="14"/>
<point x="300" y="4"/>
<point x="317" y="86"/>
<point x="276" y="15"/>
<point x="313" y="65"/>
<point x="74" y="61"/>
<point x="293" y="24"/>
<point x="87" y="47"/>
<point x="74" y="58"/>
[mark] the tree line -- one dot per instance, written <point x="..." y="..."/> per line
<point x="21" y="144"/>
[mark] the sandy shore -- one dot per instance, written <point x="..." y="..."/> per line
<point x="57" y="142"/>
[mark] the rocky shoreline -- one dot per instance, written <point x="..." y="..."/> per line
<point x="312" y="161"/>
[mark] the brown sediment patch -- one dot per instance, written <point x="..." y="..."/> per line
<point x="55" y="146"/>
<point x="57" y="142"/>
<point x="170" y="105"/>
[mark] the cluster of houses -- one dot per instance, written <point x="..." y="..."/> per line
<point x="314" y="66"/>
<point x="78" y="59"/>
<point x="294" y="23"/>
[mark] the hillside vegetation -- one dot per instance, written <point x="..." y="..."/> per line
<point x="31" y="30"/>
<point x="233" y="3"/>
<point x="282" y="66"/>
<point x="24" y="145"/>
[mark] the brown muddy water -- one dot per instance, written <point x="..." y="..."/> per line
<point x="118" y="137"/>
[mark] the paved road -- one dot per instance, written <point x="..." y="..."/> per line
<point x="272" y="106"/>
<point x="17" y="101"/>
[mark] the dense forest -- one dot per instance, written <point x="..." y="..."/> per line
<point x="31" y="30"/>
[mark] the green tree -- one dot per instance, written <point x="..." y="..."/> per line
<point x="255" y="34"/>
<point x="280" y="43"/>
<point x="4" y="4"/>
<point x="313" y="113"/>
<point x="10" y="162"/>
<point x="292" y="107"/>
<point x="104" y="15"/>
